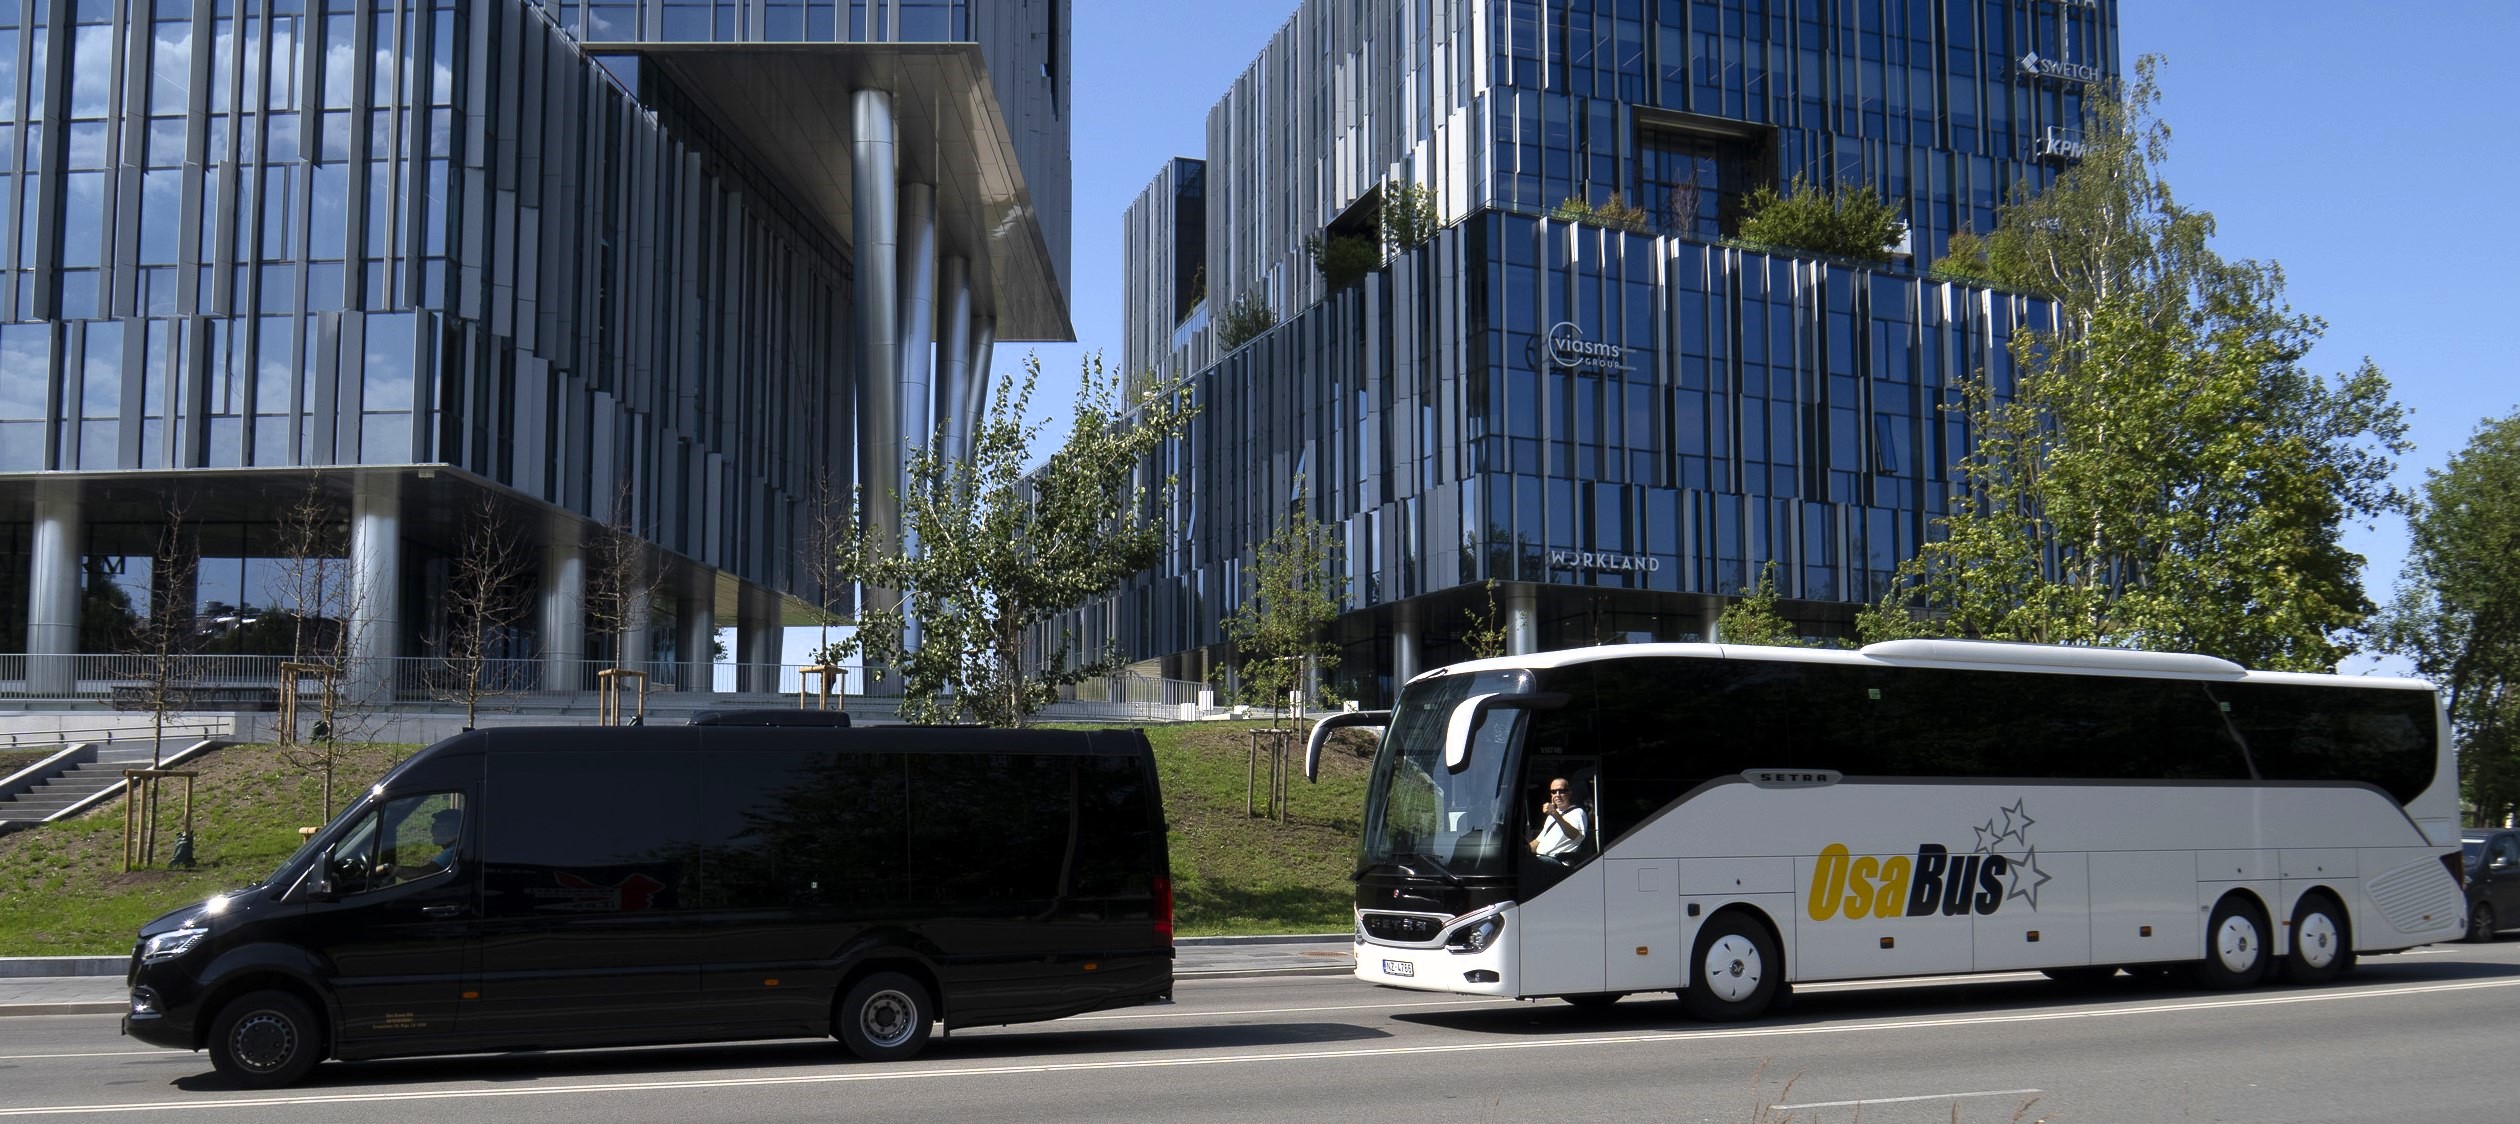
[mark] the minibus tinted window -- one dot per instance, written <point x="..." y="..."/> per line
<point x="573" y="832"/>
<point x="988" y="825"/>
<point x="804" y="828"/>
<point x="1115" y="831"/>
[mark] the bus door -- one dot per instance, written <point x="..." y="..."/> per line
<point x="1559" y="878"/>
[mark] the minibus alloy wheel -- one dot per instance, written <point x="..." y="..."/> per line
<point x="265" y="1039"/>
<point x="885" y="1017"/>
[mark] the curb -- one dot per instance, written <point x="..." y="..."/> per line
<point x="33" y="967"/>
<point x="1263" y="973"/>
<point x="86" y="1008"/>
<point x="1268" y="938"/>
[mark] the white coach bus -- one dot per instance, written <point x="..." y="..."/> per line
<point x="1742" y="818"/>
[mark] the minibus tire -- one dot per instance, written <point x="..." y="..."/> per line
<point x="265" y="1040"/>
<point x="1744" y="949"/>
<point x="2320" y="923"/>
<point x="2244" y="963"/>
<point x="885" y="1017"/>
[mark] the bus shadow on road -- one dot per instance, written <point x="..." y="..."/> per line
<point x="776" y="1058"/>
<point x="1654" y="1012"/>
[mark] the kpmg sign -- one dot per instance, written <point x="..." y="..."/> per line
<point x="2058" y="143"/>
<point x="2035" y="67"/>
<point x="1604" y="561"/>
<point x="1568" y="348"/>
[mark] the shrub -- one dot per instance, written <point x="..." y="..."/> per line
<point x="1612" y="212"/>
<point x="1343" y="258"/>
<point x="1409" y="216"/>
<point x="1847" y="221"/>
<point x="1243" y="320"/>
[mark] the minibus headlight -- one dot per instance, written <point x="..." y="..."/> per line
<point x="168" y="946"/>
<point x="1478" y="937"/>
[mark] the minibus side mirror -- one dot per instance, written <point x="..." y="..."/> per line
<point x="319" y="883"/>
<point x="1466" y="717"/>
<point x="1321" y="735"/>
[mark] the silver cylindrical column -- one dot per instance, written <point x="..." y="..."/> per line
<point x="564" y="618"/>
<point x="1405" y="636"/>
<point x="975" y="403"/>
<point x="918" y="353"/>
<point x="757" y="644"/>
<point x="52" y="603"/>
<point x="1522" y="620"/>
<point x="875" y="224"/>
<point x="699" y="636"/>
<point x="953" y="353"/>
<point x="375" y="586"/>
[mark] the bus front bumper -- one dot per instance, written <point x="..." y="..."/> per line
<point x="1462" y="959"/>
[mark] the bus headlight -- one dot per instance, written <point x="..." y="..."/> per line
<point x="1477" y="937"/>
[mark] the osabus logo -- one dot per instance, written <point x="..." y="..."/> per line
<point x="1935" y="880"/>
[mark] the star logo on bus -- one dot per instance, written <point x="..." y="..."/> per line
<point x="2035" y="878"/>
<point x="2016" y="823"/>
<point x="1985" y="832"/>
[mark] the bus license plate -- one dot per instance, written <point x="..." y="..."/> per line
<point x="1399" y="968"/>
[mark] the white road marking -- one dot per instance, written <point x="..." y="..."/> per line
<point x="1596" y="1042"/>
<point x="1899" y="1100"/>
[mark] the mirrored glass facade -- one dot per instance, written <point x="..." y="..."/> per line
<point x="465" y="247"/>
<point x="1620" y="425"/>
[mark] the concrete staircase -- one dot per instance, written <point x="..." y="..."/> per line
<point x="100" y="771"/>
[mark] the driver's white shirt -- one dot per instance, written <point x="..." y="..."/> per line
<point x="1554" y="839"/>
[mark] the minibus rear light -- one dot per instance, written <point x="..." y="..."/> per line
<point x="1164" y="909"/>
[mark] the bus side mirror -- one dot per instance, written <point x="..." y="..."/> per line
<point x="1466" y="717"/>
<point x="1321" y="735"/>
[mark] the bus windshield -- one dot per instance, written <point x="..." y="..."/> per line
<point x="1423" y="819"/>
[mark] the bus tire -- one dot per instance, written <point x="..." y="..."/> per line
<point x="885" y="1017"/>
<point x="2322" y="948"/>
<point x="1735" y="971"/>
<point x="2235" y="946"/>
<point x="265" y="1040"/>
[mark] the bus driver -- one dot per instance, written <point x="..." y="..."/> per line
<point x="1562" y="824"/>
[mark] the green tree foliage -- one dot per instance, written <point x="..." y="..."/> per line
<point x="1343" y="259"/>
<point x="2457" y="612"/>
<point x="2167" y="475"/>
<point x="1613" y="212"/>
<point x="1290" y="596"/>
<point x="1846" y="221"/>
<point x="1484" y="632"/>
<point x="1409" y="216"/>
<point x="999" y="551"/>
<point x="1754" y="619"/>
<point x="1243" y="320"/>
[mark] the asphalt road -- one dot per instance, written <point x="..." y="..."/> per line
<point x="2420" y="1037"/>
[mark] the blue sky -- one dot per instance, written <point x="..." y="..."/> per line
<point x="2368" y="148"/>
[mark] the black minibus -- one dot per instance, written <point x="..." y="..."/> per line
<point x="567" y="887"/>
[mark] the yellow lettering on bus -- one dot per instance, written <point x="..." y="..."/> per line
<point x="1828" y="881"/>
<point x="1890" y="896"/>
<point x="1859" y="887"/>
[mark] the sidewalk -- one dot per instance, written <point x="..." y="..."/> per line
<point x="1194" y="958"/>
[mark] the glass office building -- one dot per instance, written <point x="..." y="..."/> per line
<point x="666" y="265"/>
<point x="1618" y="423"/>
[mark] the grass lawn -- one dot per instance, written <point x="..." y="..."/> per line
<point x="62" y="887"/>
<point x="12" y="760"/>
<point x="63" y="890"/>
<point x="1233" y="873"/>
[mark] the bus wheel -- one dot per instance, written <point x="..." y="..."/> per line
<point x="265" y="1039"/>
<point x="1737" y="970"/>
<point x="885" y="1017"/>
<point x="2235" y="946"/>
<point x="2320" y="949"/>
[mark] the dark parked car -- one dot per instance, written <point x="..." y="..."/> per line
<point x="2493" y="880"/>
<point x="546" y="888"/>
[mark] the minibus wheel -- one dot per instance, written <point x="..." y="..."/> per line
<point x="2235" y="946"/>
<point x="265" y="1039"/>
<point x="885" y="1017"/>
<point x="1735" y="970"/>
<point x="2321" y="946"/>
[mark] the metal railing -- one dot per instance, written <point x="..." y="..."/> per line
<point x="253" y="683"/>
